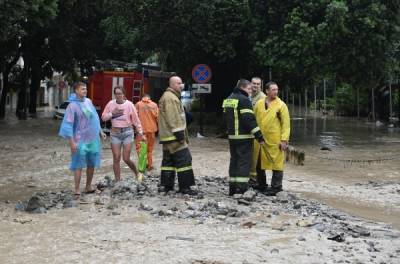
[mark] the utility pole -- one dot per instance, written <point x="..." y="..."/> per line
<point x="373" y="103"/>
<point x="324" y="95"/>
<point x="305" y="100"/>
<point x="315" y="98"/>
<point x="358" y="102"/>
<point x="300" y="103"/>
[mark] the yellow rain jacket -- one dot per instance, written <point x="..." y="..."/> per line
<point x="274" y="123"/>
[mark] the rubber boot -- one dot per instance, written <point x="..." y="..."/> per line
<point x="276" y="183"/>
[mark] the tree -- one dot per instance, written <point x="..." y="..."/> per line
<point x="12" y="16"/>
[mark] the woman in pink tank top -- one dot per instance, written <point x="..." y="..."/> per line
<point x="124" y="118"/>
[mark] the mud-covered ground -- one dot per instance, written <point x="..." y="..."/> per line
<point x="330" y="212"/>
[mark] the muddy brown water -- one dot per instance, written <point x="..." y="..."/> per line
<point x="361" y="153"/>
<point x="34" y="158"/>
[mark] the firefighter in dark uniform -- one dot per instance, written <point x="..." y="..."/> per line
<point x="174" y="137"/>
<point x="242" y="129"/>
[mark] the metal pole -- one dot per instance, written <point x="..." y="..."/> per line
<point x="390" y="98"/>
<point x="293" y="102"/>
<point x="305" y="100"/>
<point x="324" y="96"/>
<point x="358" y="102"/>
<point x="315" y="98"/>
<point x="373" y="104"/>
<point x="334" y="91"/>
<point x="299" y="103"/>
<point x="201" y="114"/>
<point x="287" y="94"/>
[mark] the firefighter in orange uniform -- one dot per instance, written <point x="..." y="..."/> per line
<point x="148" y="115"/>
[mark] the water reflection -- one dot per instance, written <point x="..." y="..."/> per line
<point x="339" y="132"/>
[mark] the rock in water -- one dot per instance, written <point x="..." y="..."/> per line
<point x="69" y="204"/>
<point x="20" y="206"/>
<point x="145" y="207"/>
<point x="326" y="148"/>
<point x="40" y="210"/>
<point x="305" y="222"/>
<point x="284" y="197"/>
<point x="237" y="196"/>
<point x="249" y="224"/>
<point x="337" y="238"/>
<point x="357" y="231"/>
<point x="275" y="251"/>
<point x="249" y="195"/>
<point x="243" y="201"/>
<point x="35" y="203"/>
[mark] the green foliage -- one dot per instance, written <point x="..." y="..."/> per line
<point x="303" y="42"/>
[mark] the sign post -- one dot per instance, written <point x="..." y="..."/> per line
<point x="201" y="74"/>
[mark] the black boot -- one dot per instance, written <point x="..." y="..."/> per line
<point x="238" y="188"/>
<point x="276" y="183"/>
<point x="189" y="191"/>
<point x="165" y="189"/>
<point x="272" y="191"/>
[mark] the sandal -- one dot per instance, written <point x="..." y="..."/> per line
<point x="140" y="177"/>
<point x="77" y="196"/>
<point x="90" y="191"/>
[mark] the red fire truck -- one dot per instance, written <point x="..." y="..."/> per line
<point x="136" y="79"/>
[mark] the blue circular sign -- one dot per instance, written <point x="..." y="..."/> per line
<point x="201" y="73"/>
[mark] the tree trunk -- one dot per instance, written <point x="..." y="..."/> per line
<point x="34" y="87"/>
<point x="373" y="103"/>
<point x="398" y="96"/>
<point x="21" y="101"/>
<point x="3" y="99"/>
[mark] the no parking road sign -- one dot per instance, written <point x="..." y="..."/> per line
<point x="201" y="73"/>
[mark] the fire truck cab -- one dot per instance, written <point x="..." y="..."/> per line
<point x="136" y="79"/>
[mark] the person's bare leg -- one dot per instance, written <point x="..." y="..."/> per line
<point x="116" y="151"/>
<point x="77" y="179"/>
<point x="126" y="155"/>
<point x="89" y="178"/>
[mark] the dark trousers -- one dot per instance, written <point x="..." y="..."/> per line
<point x="261" y="176"/>
<point x="276" y="181"/>
<point x="240" y="163"/>
<point x="180" y="163"/>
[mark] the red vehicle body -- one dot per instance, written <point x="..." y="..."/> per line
<point x="101" y="85"/>
<point x="136" y="84"/>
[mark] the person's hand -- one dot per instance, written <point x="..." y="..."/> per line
<point x="103" y="135"/>
<point x="283" y="145"/>
<point x="117" y="112"/>
<point x="144" y="138"/>
<point x="73" y="146"/>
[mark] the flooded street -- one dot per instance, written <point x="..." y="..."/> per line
<point x="357" y="192"/>
<point x="360" y="174"/>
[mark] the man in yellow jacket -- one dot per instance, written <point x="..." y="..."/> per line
<point x="273" y="118"/>
<point x="257" y="175"/>
<point x="174" y="138"/>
